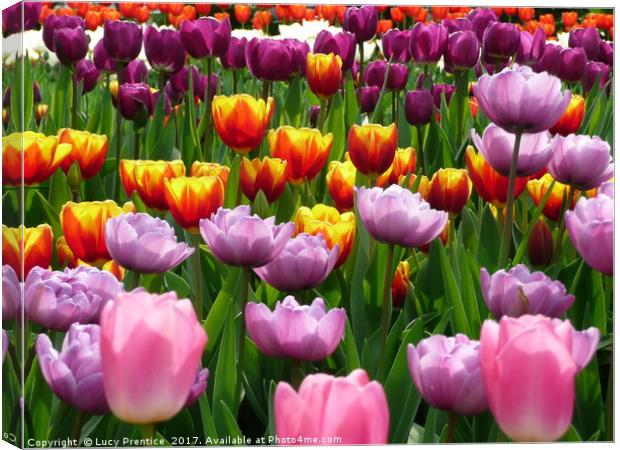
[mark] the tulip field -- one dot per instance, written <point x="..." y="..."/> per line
<point x="233" y="224"/>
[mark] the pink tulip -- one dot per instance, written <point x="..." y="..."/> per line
<point x="528" y="367"/>
<point x="151" y="347"/>
<point x="351" y="410"/>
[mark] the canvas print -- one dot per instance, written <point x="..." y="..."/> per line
<point x="306" y="224"/>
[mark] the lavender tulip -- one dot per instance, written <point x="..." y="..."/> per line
<point x="362" y="22"/>
<point x="500" y="42"/>
<point x="591" y="43"/>
<point x="531" y="47"/>
<point x="462" y="51"/>
<point x="198" y="388"/>
<point x="143" y="243"/>
<point x="395" y="45"/>
<point x="419" y="106"/>
<point x="480" y="19"/>
<point x="13" y="21"/>
<point x="11" y="293"/>
<point x="581" y="161"/>
<point x="446" y="372"/>
<point x="102" y="60"/>
<point x="164" y="50"/>
<point x="572" y="64"/>
<point x="54" y="22"/>
<point x="136" y="102"/>
<point x="375" y="73"/>
<point x="445" y="90"/>
<point x="206" y="37"/>
<point x="594" y="71"/>
<point x="341" y="44"/>
<point x="122" y="40"/>
<point x="550" y="60"/>
<point x="269" y="59"/>
<point x="70" y="45"/>
<point x="308" y="333"/>
<point x="304" y="263"/>
<point x="87" y="73"/>
<point x="397" y="216"/>
<point x="427" y="42"/>
<point x="517" y="292"/>
<point x="74" y="374"/>
<point x="455" y="25"/>
<point x="56" y="299"/>
<point x="497" y="147"/>
<point x="135" y="72"/>
<point x="234" y="58"/>
<point x="369" y="98"/>
<point x="237" y="238"/>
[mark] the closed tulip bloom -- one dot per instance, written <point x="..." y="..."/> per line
<point x="500" y="42"/>
<point x="362" y="22"/>
<point x="164" y="50"/>
<point x="398" y="216"/>
<point x="481" y="19"/>
<point x="11" y="293"/>
<point x="352" y="408"/>
<point x="591" y="42"/>
<point x="442" y="90"/>
<point x="372" y="147"/>
<point x="529" y="366"/>
<point x="591" y="230"/>
<point x="458" y="24"/>
<point x="581" y="161"/>
<point x="206" y="37"/>
<point x="517" y="292"/>
<point x="594" y="71"/>
<point x="267" y="175"/>
<point x="606" y="53"/>
<point x="497" y="146"/>
<point x="550" y="60"/>
<point x="531" y="47"/>
<point x="147" y="178"/>
<point x="56" y="299"/>
<point x="234" y="58"/>
<point x="324" y="74"/>
<point x="37" y="248"/>
<point x="400" y="284"/>
<point x="427" y="42"/>
<point x="446" y="372"/>
<point x="419" y="107"/>
<point x="136" y="102"/>
<point x="571" y="120"/>
<point x="448" y="190"/>
<point x="269" y="59"/>
<point x="41" y="156"/>
<point x="87" y="73"/>
<point x="537" y="101"/>
<point x="404" y="163"/>
<point x="135" y="72"/>
<point x="55" y="22"/>
<point x="341" y="44"/>
<point x="88" y="150"/>
<point x="395" y="45"/>
<point x="74" y="374"/>
<point x="369" y="98"/>
<point x="375" y="73"/>
<point x="462" y="51"/>
<point x="122" y="40"/>
<point x="302" y="332"/>
<point x="20" y="17"/>
<point x="299" y="50"/>
<point x="537" y="188"/>
<point x="66" y="257"/>
<point x="540" y="244"/>
<point x="191" y="199"/>
<point x="141" y="335"/>
<point x="209" y="169"/>
<point x="144" y="244"/>
<point x="241" y="120"/>
<point x="340" y="181"/>
<point x="305" y="151"/>
<point x="104" y="62"/>
<point x="572" y="64"/>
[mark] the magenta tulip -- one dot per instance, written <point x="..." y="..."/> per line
<point x="341" y="44"/>
<point x="164" y="50"/>
<point x="206" y="37"/>
<point x="427" y="42"/>
<point x="122" y="39"/>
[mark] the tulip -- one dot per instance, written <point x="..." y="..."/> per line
<point x="529" y="366"/>
<point x="446" y="372"/>
<point x="445" y="90"/>
<point x="481" y="19"/>
<point x="191" y="199"/>
<point x="594" y="71"/>
<point x="591" y="230"/>
<point x="606" y="53"/>
<point x="164" y="50"/>
<point x="550" y="60"/>
<point x="404" y="164"/>
<point x="324" y="74"/>
<point x="307" y="333"/>
<point x="531" y="47"/>
<point x="571" y="120"/>
<point x="427" y="42"/>
<point x="41" y="156"/>
<point x="147" y="178"/>
<point x="88" y="150"/>
<point x="337" y="229"/>
<point x="102" y="60"/>
<point x="122" y="40"/>
<point x="136" y="102"/>
<point x="87" y="73"/>
<point x="269" y="59"/>
<point x="400" y="284"/>
<point x="352" y="408"/>
<point x="449" y="190"/>
<point x="340" y="181"/>
<point x="395" y="45"/>
<point x="591" y="43"/>
<point x="369" y="98"/>
<point x="74" y="374"/>
<point x="462" y="51"/>
<point x="299" y="51"/>
<point x="500" y="42"/>
<point x="267" y="175"/>
<point x="241" y="120"/>
<point x="36" y="243"/>
<point x="144" y="244"/>
<point x="572" y="64"/>
<point x="206" y="37"/>
<point x="141" y="334"/>
<point x="11" y="293"/>
<point x="575" y="37"/>
<point x="553" y="208"/>
<point x="305" y="151"/>
<point x="234" y="58"/>
<point x="412" y="221"/>
<point x="362" y="22"/>
<point x="135" y="72"/>
<point x="179" y="84"/>
<point x="341" y="44"/>
<point x="20" y="17"/>
<point x="419" y="107"/>
<point x="208" y="169"/>
<point x="66" y="257"/>
<point x="377" y="70"/>
<point x="372" y="147"/>
<point x="540" y="244"/>
<point x="581" y="161"/>
<point x="458" y="24"/>
<point x="54" y="22"/>
<point x="242" y="13"/>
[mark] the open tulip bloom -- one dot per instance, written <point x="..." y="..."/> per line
<point x="295" y="224"/>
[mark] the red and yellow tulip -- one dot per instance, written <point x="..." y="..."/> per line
<point x="88" y="150"/>
<point x="147" y="178"/>
<point x="37" y="245"/>
<point x="400" y="284"/>
<point x="324" y="73"/>
<point x="267" y="175"/>
<point x="372" y="147"/>
<point x="340" y="183"/>
<point x="404" y="163"/>
<point x="193" y="198"/>
<point x="570" y="122"/>
<point x="553" y="208"/>
<point x="448" y="190"/>
<point x="209" y="169"/>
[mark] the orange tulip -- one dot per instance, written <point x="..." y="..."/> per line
<point x="41" y="154"/>
<point x="193" y="198"/>
<point x="37" y="245"/>
<point x="203" y="8"/>
<point x="147" y="178"/>
<point x="304" y="149"/>
<point x="261" y="19"/>
<point x="569" y="19"/>
<point x="526" y="14"/>
<point x="449" y="190"/>
<point x="473" y="106"/>
<point x="209" y="169"/>
<point x="324" y="73"/>
<point x="336" y="228"/>
<point x="87" y="150"/>
<point x="546" y="18"/>
<point x="510" y="11"/>
<point x="242" y="13"/>
<point x="403" y="164"/>
<point x="241" y="120"/>
<point x="372" y="147"/>
<point x="142" y="14"/>
<point x="127" y="9"/>
<point x="411" y="11"/>
<point x="310" y="14"/>
<point x="440" y="12"/>
<point x="570" y="122"/>
<point x="491" y="186"/>
<point x="384" y="25"/>
<point x="397" y="14"/>
<point x="268" y="175"/>
<point x="340" y="182"/>
<point x="400" y="284"/>
<point x="66" y="257"/>
<point x="553" y="208"/>
<point x="175" y="8"/>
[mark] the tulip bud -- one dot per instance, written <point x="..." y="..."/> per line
<point x="136" y="102"/>
<point x="481" y="19"/>
<point x="400" y="284"/>
<point x="462" y="51"/>
<point x="369" y="98"/>
<point x="341" y="44"/>
<point x="74" y="177"/>
<point x="550" y="60"/>
<point x="447" y="90"/>
<point x="164" y="50"/>
<point x="87" y="73"/>
<point x="362" y="22"/>
<point x="419" y="107"/>
<point x="340" y="182"/>
<point x="234" y="58"/>
<point x="500" y="42"/>
<point x="270" y="59"/>
<point x="375" y="74"/>
<point x="427" y="42"/>
<point x="572" y="64"/>
<point x="40" y="112"/>
<point x="122" y="40"/>
<point x="395" y="45"/>
<point x="591" y="43"/>
<point x="595" y="70"/>
<point x="55" y="22"/>
<point x="372" y="147"/>
<point x="540" y="244"/>
<point x="324" y="74"/>
<point x="102" y="59"/>
<point x="449" y="190"/>
<point x="70" y="45"/>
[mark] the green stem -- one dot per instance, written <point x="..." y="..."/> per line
<point x="117" y="180"/>
<point x="234" y="76"/>
<point x="462" y="99"/>
<point x="132" y="279"/>
<point x="507" y="229"/>
<point x="208" y="108"/>
<point x="562" y="224"/>
<point x="360" y="81"/>
<point x="320" y="123"/>
<point x="265" y="93"/>
<point x="176" y="129"/>
<point x="394" y="118"/>
<point x="74" y="104"/>
<point x="295" y="373"/>
<point x="197" y="278"/>
<point x="421" y="162"/>
<point x="245" y="288"/>
<point x="77" y="426"/>
<point x="136" y="143"/>
<point x="452" y="418"/>
<point x="148" y="430"/>
<point x="387" y="301"/>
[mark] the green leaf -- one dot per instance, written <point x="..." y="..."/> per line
<point x="208" y="426"/>
<point x="488" y="246"/>
<point x="293" y="104"/>
<point x="351" y="107"/>
<point x="178" y="284"/>
<point x="225" y="379"/>
<point x="59" y="191"/>
<point x="21" y="86"/>
<point x="453" y="293"/>
<point x="220" y="310"/>
<point x="231" y="423"/>
<point x="353" y="359"/>
<point x="232" y="185"/>
<point x="59" y="110"/>
<point x="40" y="202"/>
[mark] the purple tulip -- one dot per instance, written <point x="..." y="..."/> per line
<point x="11" y="293"/>
<point x="531" y="47"/>
<point x="480" y="19"/>
<point x="179" y="83"/>
<point x="12" y="17"/>
<point x="591" y="43"/>
<point x="575" y="37"/>
<point x="86" y="72"/>
<point x="237" y="238"/>
<point x="517" y="292"/>
<point x="234" y="58"/>
<point x="313" y="114"/>
<point x="136" y="102"/>
<point x="300" y="51"/>
<point x="439" y="90"/>
<point x="497" y="146"/>
<point x="375" y="73"/>
<point x="590" y="227"/>
<point x="427" y="42"/>
<point x="446" y="372"/>
<point x="269" y="59"/>
<point x="362" y="22"/>
<point x="206" y="37"/>
<point x="395" y="44"/>
<point x="36" y="95"/>
<point x="483" y="68"/>
<point x="455" y="25"/>
<point x="304" y="263"/>
<point x="419" y="106"/>
<point x="519" y="100"/>
<point x="164" y="50"/>
<point x="572" y="64"/>
<point x="70" y="45"/>
<point x="500" y="42"/>
<point x="102" y="60"/>
<point x="302" y="332"/>
<point x="135" y="72"/>
<point x="144" y="244"/>
<point x="594" y="71"/>
<point x="341" y="44"/>
<point x="581" y="161"/>
<point x="369" y="98"/>
<point x="606" y="53"/>
<point x="550" y="60"/>
<point x="122" y="39"/>
<point x="56" y="299"/>
<point x="74" y="374"/>
<point x="462" y="51"/>
<point x="54" y="22"/>
<point x="199" y="387"/>
<point x="398" y="216"/>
